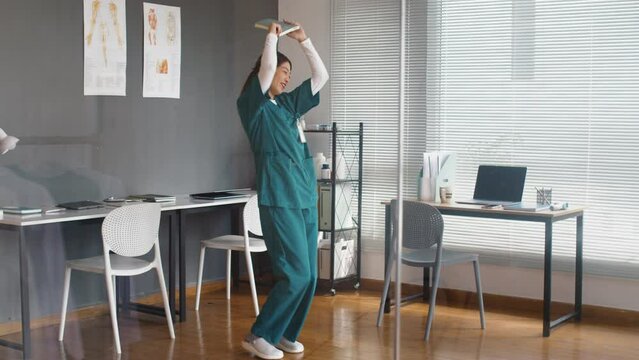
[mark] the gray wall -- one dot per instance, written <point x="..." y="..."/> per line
<point x="83" y="148"/>
<point x="315" y="17"/>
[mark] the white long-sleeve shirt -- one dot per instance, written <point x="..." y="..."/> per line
<point x="268" y="66"/>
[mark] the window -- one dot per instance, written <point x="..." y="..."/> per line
<point x="365" y="88"/>
<point x="549" y="84"/>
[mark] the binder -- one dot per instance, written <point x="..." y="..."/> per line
<point x="343" y="216"/>
<point x="438" y="171"/>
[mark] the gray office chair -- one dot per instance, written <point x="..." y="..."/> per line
<point x="422" y="247"/>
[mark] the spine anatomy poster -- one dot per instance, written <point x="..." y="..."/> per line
<point x="104" y="47"/>
<point x="162" y="51"/>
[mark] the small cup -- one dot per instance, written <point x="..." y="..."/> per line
<point x="445" y="194"/>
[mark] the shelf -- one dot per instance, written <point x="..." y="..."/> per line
<point x="336" y="281"/>
<point x="338" y="132"/>
<point x="337" y="209"/>
<point x="346" y="278"/>
<point x="354" y="227"/>
<point x="328" y="181"/>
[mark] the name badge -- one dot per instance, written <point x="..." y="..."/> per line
<point x="300" y="130"/>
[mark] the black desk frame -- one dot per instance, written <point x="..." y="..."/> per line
<point x="548" y="221"/>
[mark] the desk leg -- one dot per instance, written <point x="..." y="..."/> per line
<point x="123" y="293"/>
<point x="426" y="285"/>
<point x="547" y="278"/>
<point x="182" y="265"/>
<point x="579" y="266"/>
<point x="24" y="295"/>
<point x="387" y="249"/>
<point x="172" y="249"/>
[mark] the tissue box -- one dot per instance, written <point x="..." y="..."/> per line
<point x="344" y="259"/>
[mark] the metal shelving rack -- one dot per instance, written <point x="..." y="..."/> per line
<point x="349" y="143"/>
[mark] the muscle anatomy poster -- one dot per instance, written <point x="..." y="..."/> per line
<point x="104" y="47"/>
<point x="162" y="51"/>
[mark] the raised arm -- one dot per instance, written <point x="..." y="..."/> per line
<point x="319" y="74"/>
<point x="268" y="62"/>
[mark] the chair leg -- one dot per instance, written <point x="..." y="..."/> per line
<point x="113" y="310"/>
<point x="249" y="268"/>
<point x="200" y="270"/>
<point x="382" y="302"/>
<point x="228" y="274"/>
<point x="431" y="303"/>
<point x="480" y="296"/>
<point x="65" y="301"/>
<point x="165" y="299"/>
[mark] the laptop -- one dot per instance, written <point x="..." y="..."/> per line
<point x="498" y="185"/>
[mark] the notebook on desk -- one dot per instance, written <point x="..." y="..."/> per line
<point x="151" y="198"/>
<point x="20" y="210"/>
<point x="498" y="185"/>
<point x="527" y="207"/>
<point x="217" y="195"/>
<point x="81" y="205"/>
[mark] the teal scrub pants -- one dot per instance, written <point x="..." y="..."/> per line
<point x="291" y="240"/>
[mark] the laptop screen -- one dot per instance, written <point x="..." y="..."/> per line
<point x="500" y="183"/>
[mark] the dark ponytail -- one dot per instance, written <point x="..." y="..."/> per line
<point x="281" y="58"/>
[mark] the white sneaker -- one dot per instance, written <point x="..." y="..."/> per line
<point x="261" y="348"/>
<point x="289" y="346"/>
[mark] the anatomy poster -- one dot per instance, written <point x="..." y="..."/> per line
<point x="162" y="51"/>
<point x="104" y="47"/>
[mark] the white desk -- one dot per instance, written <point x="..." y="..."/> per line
<point x="176" y="211"/>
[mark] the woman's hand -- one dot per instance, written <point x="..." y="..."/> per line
<point x="298" y="34"/>
<point x="275" y="28"/>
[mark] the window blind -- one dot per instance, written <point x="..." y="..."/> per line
<point x="552" y="85"/>
<point x="549" y="84"/>
<point x="365" y="88"/>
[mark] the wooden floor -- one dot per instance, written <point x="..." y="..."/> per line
<point x="339" y="327"/>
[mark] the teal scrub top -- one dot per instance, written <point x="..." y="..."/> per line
<point x="285" y="175"/>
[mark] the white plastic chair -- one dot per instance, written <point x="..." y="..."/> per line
<point x="251" y="218"/>
<point x="128" y="232"/>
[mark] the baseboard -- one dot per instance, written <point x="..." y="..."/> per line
<point x="517" y="305"/>
<point x="102" y="309"/>
<point x="49" y="320"/>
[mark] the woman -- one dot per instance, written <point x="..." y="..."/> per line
<point x="286" y="187"/>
